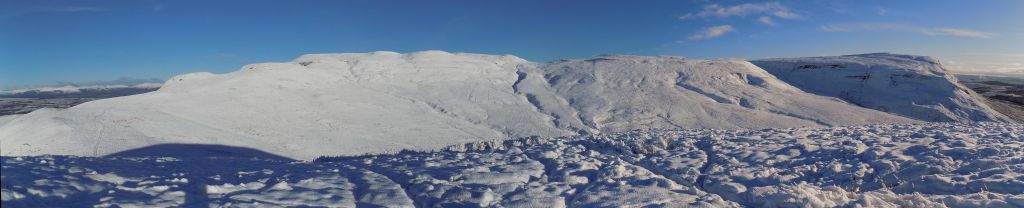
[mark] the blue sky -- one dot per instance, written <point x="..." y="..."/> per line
<point x="44" y="42"/>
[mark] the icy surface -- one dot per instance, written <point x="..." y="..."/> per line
<point x="385" y="102"/>
<point x="913" y="86"/>
<point x="926" y="165"/>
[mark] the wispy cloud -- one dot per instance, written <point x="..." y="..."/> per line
<point x="59" y="9"/>
<point x="72" y="9"/>
<point x="766" y="20"/>
<point x="158" y="5"/>
<point x="712" y="32"/>
<point x="881" y="11"/>
<point x="956" y="32"/>
<point x="770" y="8"/>
<point x="1003" y="55"/>
<point x="864" y="27"/>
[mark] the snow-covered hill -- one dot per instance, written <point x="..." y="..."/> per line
<point x="384" y="102"/>
<point x="930" y="165"/>
<point x="619" y="93"/>
<point x="913" y="86"/>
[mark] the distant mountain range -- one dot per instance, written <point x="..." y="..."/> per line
<point x="101" y="89"/>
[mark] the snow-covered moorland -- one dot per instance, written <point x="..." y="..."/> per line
<point x="357" y="103"/>
<point x="923" y="165"/>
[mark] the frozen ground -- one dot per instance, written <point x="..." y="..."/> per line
<point x="925" y="165"/>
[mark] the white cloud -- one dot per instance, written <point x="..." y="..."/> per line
<point x="712" y="32"/>
<point x="786" y="15"/>
<point x="71" y="9"/>
<point x="863" y="27"/>
<point x="956" y="32"/>
<point x="1003" y="55"/>
<point x="770" y="8"/>
<point x="41" y="10"/>
<point x="766" y="20"/>
<point x="881" y="11"/>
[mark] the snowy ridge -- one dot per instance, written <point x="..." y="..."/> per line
<point x="913" y="86"/>
<point x="73" y="89"/>
<point x="924" y="165"/>
<point x="358" y="103"/>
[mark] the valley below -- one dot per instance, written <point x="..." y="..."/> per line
<point x="1005" y="93"/>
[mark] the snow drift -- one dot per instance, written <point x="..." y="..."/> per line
<point x="913" y="86"/>
<point x="355" y="103"/>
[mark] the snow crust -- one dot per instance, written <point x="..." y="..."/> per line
<point x="913" y="86"/>
<point x="923" y="165"/>
<point x="357" y="103"/>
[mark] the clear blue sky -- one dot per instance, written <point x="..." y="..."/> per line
<point x="44" y="42"/>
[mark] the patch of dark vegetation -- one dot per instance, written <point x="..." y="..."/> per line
<point x="10" y="106"/>
<point x="1004" y="94"/>
<point x="28" y="101"/>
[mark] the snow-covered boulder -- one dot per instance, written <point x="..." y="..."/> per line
<point x="357" y="103"/>
<point x="913" y="86"/>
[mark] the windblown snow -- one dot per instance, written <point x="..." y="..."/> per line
<point x="359" y="103"/>
<point x="912" y="86"/>
<point x="922" y="165"/>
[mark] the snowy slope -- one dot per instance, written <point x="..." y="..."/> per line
<point x="385" y="102"/>
<point x="619" y="93"/>
<point x="913" y="86"/>
<point x="929" y="165"/>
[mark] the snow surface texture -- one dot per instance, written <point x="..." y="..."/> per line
<point x="923" y="165"/>
<point x="913" y="86"/>
<point x="328" y="104"/>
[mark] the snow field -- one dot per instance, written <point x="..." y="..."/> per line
<point x="922" y="165"/>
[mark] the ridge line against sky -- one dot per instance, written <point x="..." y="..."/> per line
<point x="44" y="42"/>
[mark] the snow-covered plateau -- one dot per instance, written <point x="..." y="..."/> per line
<point x="381" y="102"/>
<point x="900" y="165"/>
